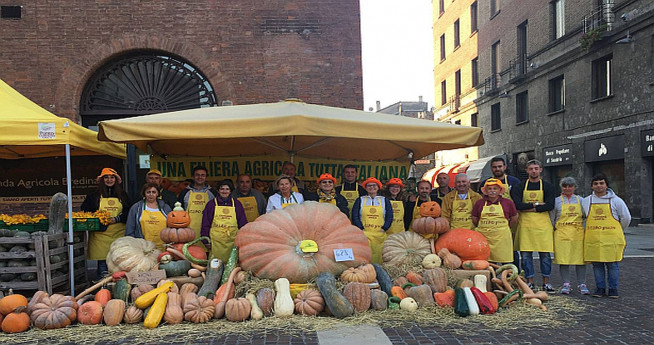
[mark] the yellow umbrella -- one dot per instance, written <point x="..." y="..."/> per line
<point x="29" y="131"/>
<point x="292" y="127"/>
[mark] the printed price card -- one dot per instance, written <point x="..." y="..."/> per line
<point x="343" y="254"/>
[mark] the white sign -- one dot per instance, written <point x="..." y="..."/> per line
<point x="343" y="254"/>
<point x="144" y="161"/>
<point x="46" y="130"/>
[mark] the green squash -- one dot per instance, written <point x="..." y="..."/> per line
<point x="384" y="280"/>
<point x="460" y="303"/>
<point x="122" y="289"/>
<point x="176" y="268"/>
<point x="339" y="306"/>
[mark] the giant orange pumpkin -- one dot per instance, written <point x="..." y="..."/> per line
<point x="178" y="218"/>
<point x="269" y="246"/>
<point x="465" y="243"/>
<point x="430" y="209"/>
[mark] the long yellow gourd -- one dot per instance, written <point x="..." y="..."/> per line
<point x="156" y="311"/>
<point x="146" y="299"/>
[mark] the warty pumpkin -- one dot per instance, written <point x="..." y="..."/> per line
<point x="174" y="313"/>
<point x="237" y="309"/>
<point x="56" y="311"/>
<point x="177" y="235"/>
<point x="422" y="295"/>
<point x="378" y="299"/>
<point x="359" y="295"/>
<point x="466" y="244"/>
<point x="178" y="218"/>
<point x="90" y="313"/>
<point x="362" y="274"/>
<point x="198" y="309"/>
<point x="309" y="302"/>
<point x="16" y="321"/>
<point x="131" y="254"/>
<point x="113" y="312"/>
<point x="269" y="247"/>
<point x="436" y="279"/>
<point x="405" y="248"/>
<point x="430" y="209"/>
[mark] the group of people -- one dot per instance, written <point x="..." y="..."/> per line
<point x="517" y="218"/>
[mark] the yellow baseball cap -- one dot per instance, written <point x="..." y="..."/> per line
<point x="154" y="171"/>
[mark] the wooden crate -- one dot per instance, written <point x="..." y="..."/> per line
<point x="45" y="246"/>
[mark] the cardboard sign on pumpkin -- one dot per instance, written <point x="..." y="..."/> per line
<point x="147" y="277"/>
<point x="343" y="254"/>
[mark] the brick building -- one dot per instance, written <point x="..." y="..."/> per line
<point x="570" y="83"/>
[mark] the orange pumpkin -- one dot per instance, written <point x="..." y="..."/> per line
<point x="430" y="226"/>
<point x="465" y="243"/>
<point x="16" y="321"/>
<point x="430" y="209"/>
<point x="11" y="302"/>
<point x="178" y="218"/>
<point x="90" y="313"/>
<point x="177" y="235"/>
<point x="280" y="233"/>
<point x="103" y="296"/>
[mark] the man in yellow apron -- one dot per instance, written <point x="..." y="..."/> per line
<point x="604" y="242"/>
<point x="110" y="197"/>
<point x="568" y="221"/>
<point x="424" y="190"/>
<point x="493" y="215"/>
<point x="456" y="206"/>
<point x="221" y="219"/>
<point x="373" y="214"/>
<point x="350" y="189"/>
<point x="397" y="197"/>
<point x="196" y="196"/>
<point x="443" y="180"/>
<point x="253" y="200"/>
<point x="534" y="199"/>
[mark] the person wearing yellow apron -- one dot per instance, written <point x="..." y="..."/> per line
<point x="253" y="200"/>
<point x="398" y="197"/>
<point x="456" y="206"/>
<point x="604" y="242"/>
<point x="195" y="197"/>
<point x="493" y="215"/>
<point x="327" y="194"/>
<point x="221" y="219"/>
<point x="373" y="214"/>
<point x="568" y="221"/>
<point x="413" y="206"/>
<point x="109" y="196"/>
<point x="534" y="199"/>
<point x="349" y="187"/>
<point x="285" y="196"/>
<point x="147" y="217"/>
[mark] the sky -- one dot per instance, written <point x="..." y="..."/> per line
<point x="397" y="51"/>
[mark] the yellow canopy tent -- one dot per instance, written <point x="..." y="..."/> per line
<point x="291" y="126"/>
<point x="29" y="131"/>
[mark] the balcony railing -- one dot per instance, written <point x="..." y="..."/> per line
<point x="490" y="84"/>
<point x="518" y="66"/>
<point x="454" y="103"/>
<point x="602" y="16"/>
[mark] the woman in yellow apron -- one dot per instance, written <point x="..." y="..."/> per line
<point x="373" y="214"/>
<point x="567" y="218"/>
<point x="221" y="219"/>
<point x="108" y="196"/>
<point x="327" y="193"/>
<point x="606" y="217"/>
<point x="284" y="196"/>
<point x="398" y="197"/>
<point x="147" y="217"/>
<point x="493" y="215"/>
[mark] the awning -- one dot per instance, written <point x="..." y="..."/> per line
<point x="451" y="170"/>
<point x="480" y="169"/>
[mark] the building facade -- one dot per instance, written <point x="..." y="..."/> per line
<point x="571" y="83"/>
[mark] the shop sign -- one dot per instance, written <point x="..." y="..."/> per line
<point x="604" y="149"/>
<point x="647" y="143"/>
<point x="558" y="155"/>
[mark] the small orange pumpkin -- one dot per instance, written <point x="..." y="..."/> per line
<point x="90" y="313"/>
<point x="16" y="321"/>
<point x="177" y="235"/>
<point x="11" y="302"/>
<point x="103" y="296"/>
<point x="178" y="218"/>
<point x="430" y="209"/>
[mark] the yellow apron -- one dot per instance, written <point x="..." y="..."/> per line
<point x="507" y="190"/>
<point x="152" y="222"/>
<point x="372" y="218"/>
<point x="223" y="231"/>
<point x="416" y="215"/>
<point x="250" y="206"/>
<point x="398" y="218"/>
<point x="535" y="232"/>
<point x="462" y="213"/>
<point x="294" y="188"/>
<point x="332" y="201"/>
<point x="604" y="241"/>
<point x="100" y="241"/>
<point x="196" y="203"/>
<point x="569" y="235"/>
<point x="351" y="196"/>
<point x="288" y="201"/>
<point x="495" y="227"/>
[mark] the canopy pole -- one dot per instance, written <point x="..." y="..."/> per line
<point x="69" y="192"/>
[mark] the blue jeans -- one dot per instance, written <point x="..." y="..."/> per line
<point x="600" y="269"/>
<point x="516" y="259"/>
<point x="102" y="269"/>
<point x="528" y="264"/>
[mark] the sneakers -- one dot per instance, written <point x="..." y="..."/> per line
<point x="613" y="293"/>
<point x="599" y="293"/>
<point x="583" y="289"/>
<point x="530" y="285"/>
<point x="565" y="289"/>
<point x="549" y="288"/>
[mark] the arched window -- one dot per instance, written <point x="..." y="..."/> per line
<point x="142" y="83"/>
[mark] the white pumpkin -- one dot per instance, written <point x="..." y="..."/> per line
<point x="131" y="254"/>
<point x="431" y="261"/>
<point x="409" y="304"/>
<point x="284" y="305"/>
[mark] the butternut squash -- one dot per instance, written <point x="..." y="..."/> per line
<point x="255" y="313"/>
<point x="157" y="310"/>
<point x="284" y="305"/>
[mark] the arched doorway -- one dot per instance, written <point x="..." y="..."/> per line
<point x="142" y="83"/>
